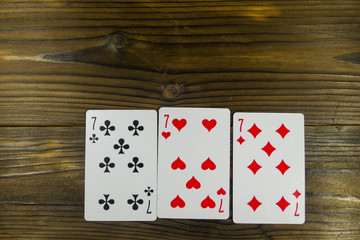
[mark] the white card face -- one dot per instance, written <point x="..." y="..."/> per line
<point x="268" y="168"/>
<point x="194" y="163"/>
<point x="121" y="165"/>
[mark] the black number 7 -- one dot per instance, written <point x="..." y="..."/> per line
<point x="94" y="122"/>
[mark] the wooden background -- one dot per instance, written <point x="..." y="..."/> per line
<point x="59" y="58"/>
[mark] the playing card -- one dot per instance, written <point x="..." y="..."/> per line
<point x="121" y="165"/>
<point x="194" y="163"/>
<point x="268" y="168"/>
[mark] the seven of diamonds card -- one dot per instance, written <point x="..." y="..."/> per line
<point x="268" y="168"/>
<point x="194" y="163"/>
<point x="121" y="165"/>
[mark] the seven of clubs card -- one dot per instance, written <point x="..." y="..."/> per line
<point x="194" y="163"/>
<point x="268" y="168"/>
<point x="121" y="165"/>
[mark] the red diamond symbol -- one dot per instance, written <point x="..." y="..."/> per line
<point x="282" y="167"/>
<point x="282" y="130"/>
<point x="254" y="203"/>
<point x="241" y="140"/>
<point x="297" y="194"/>
<point x="254" y="166"/>
<point x="254" y="130"/>
<point x="283" y="204"/>
<point x="268" y="148"/>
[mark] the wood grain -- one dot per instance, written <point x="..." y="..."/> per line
<point x="61" y="58"/>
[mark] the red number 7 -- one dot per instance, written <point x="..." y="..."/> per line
<point x="167" y="118"/>
<point x="241" y="120"/>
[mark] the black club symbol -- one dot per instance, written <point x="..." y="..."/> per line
<point x="107" y="127"/>
<point x="94" y="138"/>
<point x="149" y="191"/>
<point x="121" y="146"/>
<point x="136" y="164"/>
<point x="136" y="127"/>
<point x="106" y="201"/>
<point x="135" y="202"/>
<point x="107" y="164"/>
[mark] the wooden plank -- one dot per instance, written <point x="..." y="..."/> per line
<point x="62" y="99"/>
<point x="243" y="77"/>
<point x="65" y="221"/>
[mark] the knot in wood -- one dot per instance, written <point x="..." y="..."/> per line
<point x="172" y="90"/>
<point x="118" y="41"/>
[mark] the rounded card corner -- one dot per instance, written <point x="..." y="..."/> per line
<point x="234" y="220"/>
<point x="153" y="111"/>
<point x="88" y="112"/>
<point x="302" y="115"/>
<point x="235" y="114"/>
<point x="227" y="110"/>
<point x="226" y="217"/>
<point x="86" y="218"/>
<point x="153" y="219"/>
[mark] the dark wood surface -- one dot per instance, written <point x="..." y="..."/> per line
<point x="59" y="58"/>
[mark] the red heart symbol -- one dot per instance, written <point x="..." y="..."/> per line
<point x="208" y="164"/>
<point x="166" y="134"/>
<point x="209" y="124"/>
<point x="178" y="163"/>
<point x="177" y="202"/>
<point x="221" y="191"/>
<point x="208" y="202"/>
<point x="179" y="124"/>
<point x="193" y="183"/>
